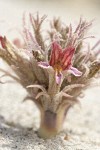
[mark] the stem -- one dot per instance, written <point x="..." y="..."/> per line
<point x="54" y="88"/>
<point x="51" y="123"/>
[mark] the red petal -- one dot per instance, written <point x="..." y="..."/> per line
<point x="55" y="53"/>
<point x="3" y="41"/>
<point x="67" y="57"/>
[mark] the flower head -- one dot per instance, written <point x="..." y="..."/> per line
<point x="61" y="60"/>
<point x="3" y="41"/>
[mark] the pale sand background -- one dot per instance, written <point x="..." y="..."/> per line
<point x="82" y="125"/>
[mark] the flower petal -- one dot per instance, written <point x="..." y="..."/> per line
<point x="58" y="77"/>
<point x="66" y="57"/>
<point x="48" y="68"/>
<point x="55" y="53"/>
<point x="3" y="41"/>
<point x="75" y="71"/>
<point x="43" y="65"/>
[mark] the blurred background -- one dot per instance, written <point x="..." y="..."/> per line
<point x="69" y="10"/>
<point x="11" y="12"/>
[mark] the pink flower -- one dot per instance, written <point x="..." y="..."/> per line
<point x="3" y="41"/>
<point x="61" y="61"/>
<point x="18" y="43"/>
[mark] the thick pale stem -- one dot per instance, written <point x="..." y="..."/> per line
<point x="53" y="87"/>
<point x="51" y="123"/>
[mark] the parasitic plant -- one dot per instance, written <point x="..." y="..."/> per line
<point x="53" y="67"/>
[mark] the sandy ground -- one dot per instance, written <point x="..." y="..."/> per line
<point x="19" y="121"/>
